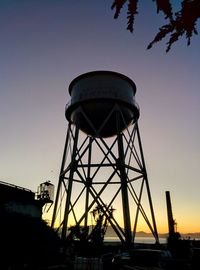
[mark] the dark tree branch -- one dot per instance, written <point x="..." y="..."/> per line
<point x="179" y="23"/>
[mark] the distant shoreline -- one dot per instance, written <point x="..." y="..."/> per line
<point x="192" y="236"/>
<point x="145" y="239"/>
<point x="139" y="240"/>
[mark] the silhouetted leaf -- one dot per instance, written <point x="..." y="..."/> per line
<point x="118" y="5"/>
<point x="174" y="37"/>
<point x="132" y="11"/>
<point x="163" y="31"/>
<point x="165" y="6"/>
<point x="190" y="13"/>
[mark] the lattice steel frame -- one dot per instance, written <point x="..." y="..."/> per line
<point x="122" y="155"/>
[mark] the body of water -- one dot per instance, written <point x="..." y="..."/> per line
<point x="140" y="240"/>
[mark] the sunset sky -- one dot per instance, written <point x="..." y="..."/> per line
<point x="45" y="44"/>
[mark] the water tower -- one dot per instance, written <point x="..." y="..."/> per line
<point x="103" y="163"/>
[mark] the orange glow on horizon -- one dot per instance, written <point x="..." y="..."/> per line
<point x="162" y="227"/>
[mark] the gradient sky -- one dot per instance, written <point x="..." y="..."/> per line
<point x="45" y="44"/>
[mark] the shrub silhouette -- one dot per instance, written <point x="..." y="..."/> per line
<point x="27" y="242"/>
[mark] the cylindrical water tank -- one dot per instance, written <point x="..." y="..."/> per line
<point x="96" y="97"/>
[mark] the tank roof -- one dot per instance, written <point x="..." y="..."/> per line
<point x="101" y="72"/>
